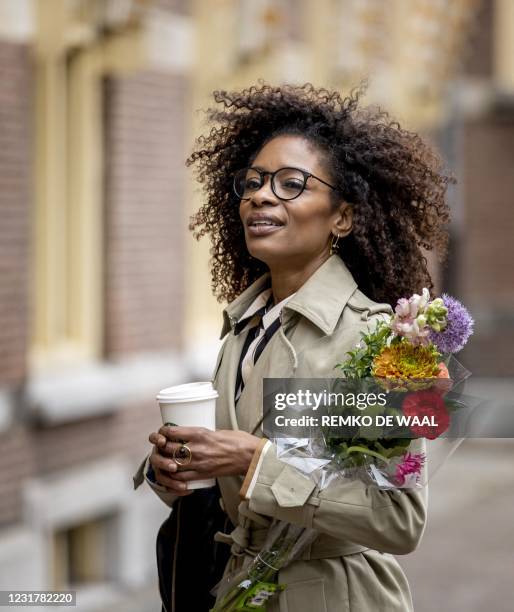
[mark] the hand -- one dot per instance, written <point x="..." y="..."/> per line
<point x="161" y="460"/>
<point x="214" y="453"/>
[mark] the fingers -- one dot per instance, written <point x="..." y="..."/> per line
<point x="162" y="463"/>
<point x="169" y="475"/>
<point x="163" y="477"/>
<point x="179" y="493"/>
<point x="186" y="475"/>
<point x="167" y="441"/>
<point x="157" y="439"/>
<point x="165" y="470"/>
<point x="164" y="446"/>
<point x="161" y="438"/>
<point x="178" y="481"/>
<point x="184" y="433"/>
<point x="175" y="486"/>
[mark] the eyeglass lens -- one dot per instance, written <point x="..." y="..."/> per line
<point x="286" y="184"/>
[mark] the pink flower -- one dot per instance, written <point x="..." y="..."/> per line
<point x="412" y="329"/>
<point x="418" y="303"/>
<point x="410" y="464"/>
<point x="409" y="320"/>
<point x="402" y="308"/>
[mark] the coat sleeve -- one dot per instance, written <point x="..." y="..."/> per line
<point x="144" y="473"/>
<point x="390" y="521"/>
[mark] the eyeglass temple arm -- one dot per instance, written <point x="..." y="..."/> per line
<point x="321" y="180"/>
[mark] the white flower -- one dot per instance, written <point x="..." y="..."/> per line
<point x="402" y="308"/>
<point x="417" y="303"/>
<point x="406" y="328"/>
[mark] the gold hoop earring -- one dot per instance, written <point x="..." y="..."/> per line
<point x="333" y="244"/>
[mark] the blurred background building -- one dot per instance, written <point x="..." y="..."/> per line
<point x="105" y="297"/>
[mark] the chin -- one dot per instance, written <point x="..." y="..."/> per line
<point x="271" y="256"/>
<point x="262" y="255"/>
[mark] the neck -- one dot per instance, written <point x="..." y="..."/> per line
<point x="287" y="279"/>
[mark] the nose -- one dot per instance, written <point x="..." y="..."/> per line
<point x="265" y="193"/>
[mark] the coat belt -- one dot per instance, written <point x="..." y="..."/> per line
<point x="249" y="536"/>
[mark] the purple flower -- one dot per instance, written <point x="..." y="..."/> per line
<point x="458" y="329"/>
<point x="411" y="464"/>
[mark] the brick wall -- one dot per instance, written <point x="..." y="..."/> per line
<point x="78" y="443"/>
<point x="15" y="201"/>
<point x="145" y="212"/>
<point x="17" y="463"/>
<point x="145" y="223"/>
<point x="27" y="453"/>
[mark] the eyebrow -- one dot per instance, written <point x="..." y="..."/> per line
<point x="293" y="167"/>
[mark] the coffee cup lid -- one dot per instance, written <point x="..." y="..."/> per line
<point x="188" y="392"/>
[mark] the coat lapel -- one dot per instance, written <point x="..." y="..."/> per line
<point x="225" y="382"/>
<point x="278" y="360"/>
<point x="246" y="415"/>
<point x="225" y="378"/>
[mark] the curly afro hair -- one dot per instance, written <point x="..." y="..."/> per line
<point x="390" y="176"/>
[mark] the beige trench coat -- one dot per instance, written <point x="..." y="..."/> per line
<point x="350" y="567"/>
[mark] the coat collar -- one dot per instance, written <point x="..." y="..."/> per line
<point x="332" y="282"/>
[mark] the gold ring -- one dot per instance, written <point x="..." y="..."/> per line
<point x="183" y="455"/>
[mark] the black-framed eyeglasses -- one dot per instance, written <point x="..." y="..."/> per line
<point x="286" y="183"/>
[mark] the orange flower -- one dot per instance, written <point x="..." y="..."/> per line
<point x="409" y="367"/>
<point x="404" y="360"/>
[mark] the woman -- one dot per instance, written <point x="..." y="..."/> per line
<point x="318" y="211"/>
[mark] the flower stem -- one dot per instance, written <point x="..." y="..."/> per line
<point x="367" y="451"/>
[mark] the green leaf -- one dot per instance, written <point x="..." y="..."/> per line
<point x="360" y="360"/>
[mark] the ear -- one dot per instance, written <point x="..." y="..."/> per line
<point x="343" y="223"/>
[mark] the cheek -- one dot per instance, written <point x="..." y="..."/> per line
<point x="311" y="224"/>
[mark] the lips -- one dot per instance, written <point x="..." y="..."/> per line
<point x="262" y="224"/>
<point x="256" y="220"/>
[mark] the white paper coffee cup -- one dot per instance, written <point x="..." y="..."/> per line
<point x="190" y="405"/>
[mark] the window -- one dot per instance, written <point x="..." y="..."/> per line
<point x="82" y="554"/>
<point x="67" y="226"/>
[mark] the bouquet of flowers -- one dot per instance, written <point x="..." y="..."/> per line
<point x="411" y="357"/>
